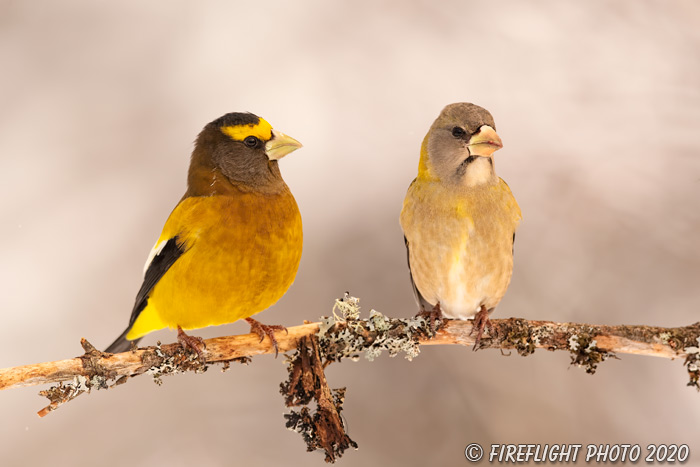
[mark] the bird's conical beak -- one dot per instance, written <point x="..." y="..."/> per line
<point x="485" y="142"/>
<point x="280" y="145"/>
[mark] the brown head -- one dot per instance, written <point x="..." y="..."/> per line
<point x="239" y="149"/>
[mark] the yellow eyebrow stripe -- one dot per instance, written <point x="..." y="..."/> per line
<point x="262" y="130"/>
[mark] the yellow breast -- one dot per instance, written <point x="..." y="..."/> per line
<point x="242" y="255"/>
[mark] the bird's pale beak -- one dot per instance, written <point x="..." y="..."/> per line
<point x="280" y="145"/>
<point x="485" y="142"/>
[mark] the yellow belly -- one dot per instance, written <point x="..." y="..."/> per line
<point x="243" y="254"/>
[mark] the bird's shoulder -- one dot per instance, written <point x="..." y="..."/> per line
<point x="194" y="215"/>
<point x="435" y="195"/>
<point x="508" y="199"/>
<point x="435" y="199"/>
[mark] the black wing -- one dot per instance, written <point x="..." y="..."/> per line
<point x="160" y="264"/>
<point x="422" y="302"/>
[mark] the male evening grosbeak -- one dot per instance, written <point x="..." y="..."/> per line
<point x="232" y="245"/>
<point x="459" y="219"/>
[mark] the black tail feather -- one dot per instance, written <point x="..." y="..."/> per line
<point x="121" y="344"/>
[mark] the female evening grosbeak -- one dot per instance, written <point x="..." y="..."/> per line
<point x="232" y="245"/>
<point x="459" y="219"/>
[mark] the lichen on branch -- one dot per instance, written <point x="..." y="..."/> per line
<point x="346" y="335"/>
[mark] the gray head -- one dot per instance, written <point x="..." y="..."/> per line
<point x="460" y="144"/>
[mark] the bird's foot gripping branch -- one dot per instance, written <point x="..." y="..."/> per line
<point x="314" y="346"/>
<point x="346" y="335"/>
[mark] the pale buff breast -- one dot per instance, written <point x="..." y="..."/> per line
<point x="460" y="244"/>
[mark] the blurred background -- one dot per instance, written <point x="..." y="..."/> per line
<point x="598" y="105"/>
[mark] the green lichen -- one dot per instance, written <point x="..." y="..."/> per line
<point x="179" y="361"/>
<point x="518" y="335"/>
<point x="380" y="322"/>
<point x="584" y="350"/>
<point x="692" y="364"/>
<point x="348" y="306"/>
<point x="345" y="335"/>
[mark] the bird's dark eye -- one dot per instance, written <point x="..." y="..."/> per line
<point x="251" y="141"/>
<point x="458" y="132"/>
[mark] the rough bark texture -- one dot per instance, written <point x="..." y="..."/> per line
<point x="324" y="428"/>
<point x="345" y="335"/>
<point x="522" y="335"/>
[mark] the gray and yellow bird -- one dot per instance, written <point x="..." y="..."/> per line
<point x="459" y="219"/>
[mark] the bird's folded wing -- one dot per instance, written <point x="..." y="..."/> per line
<point x="422" y="302"/>
<point x="163" y="255"/>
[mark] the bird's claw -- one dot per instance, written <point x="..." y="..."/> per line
<point x="193" y="343"/>
<point x="434" y="315"/>
<point x="481" y="322"/>
<point x="268" y="330"/>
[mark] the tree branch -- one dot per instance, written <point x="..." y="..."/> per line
<point x="138" y="361"/>
<point x="586" y="342"/>
<point x="345" y="335"/>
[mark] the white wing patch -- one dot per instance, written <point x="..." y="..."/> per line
<point x="157" y="248"/>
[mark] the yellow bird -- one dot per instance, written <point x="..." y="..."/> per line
<point x="459" y="219"/>
<point x="231" y="247"/>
